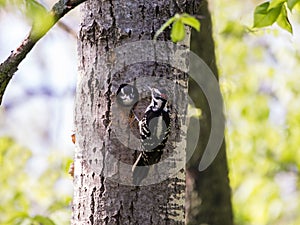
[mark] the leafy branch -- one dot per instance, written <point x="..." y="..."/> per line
<point x="179" y="21"/>
<point x="273" y="11"/>
<point x="42" y="23"/>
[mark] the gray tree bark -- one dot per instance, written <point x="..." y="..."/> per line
<point x="102" y="190"/>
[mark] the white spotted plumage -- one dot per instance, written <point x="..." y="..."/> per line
<point x="154" y="130"/>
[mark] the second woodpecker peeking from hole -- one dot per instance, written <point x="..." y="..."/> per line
<point x="154" y="129"/>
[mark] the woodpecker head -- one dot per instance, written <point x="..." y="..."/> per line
<point x="159" y="98"/>
<point x="127" y="95"/>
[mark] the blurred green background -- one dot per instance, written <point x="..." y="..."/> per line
<point x="259" y="79"/>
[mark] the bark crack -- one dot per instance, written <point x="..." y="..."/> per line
<point x="142" y="11"/>
<point x="92" y="205"/>
<point x="102" y="189"/>
<point x="108" y="93"/>
<point x="112" y="14"/>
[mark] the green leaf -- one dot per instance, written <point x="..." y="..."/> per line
<point x="43" y="220"/>
<point x="35" y="10"/>
<point x="178" y="31"/>
<point x="291" y="3"/>
<point x="264" y="17"/>
<point x="283" y="20"/>
<point x="16" y="216"/>
<point x="164" y="26"/>
<point x="275" y="3"/>
<point x="190" y="21"/>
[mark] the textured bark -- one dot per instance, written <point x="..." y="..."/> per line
<point x="208" y="192"/>
<point x="98" y="198"/>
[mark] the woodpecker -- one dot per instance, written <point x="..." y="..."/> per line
<point x="154" y="130"/>
<point x="127" y="95"/>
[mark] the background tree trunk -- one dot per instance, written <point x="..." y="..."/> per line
<point x="208" y="192"/>
<point x="100" y="158"/>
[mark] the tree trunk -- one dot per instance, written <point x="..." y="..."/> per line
<point x="208" y="192"/>
<point x="105" y="140"/>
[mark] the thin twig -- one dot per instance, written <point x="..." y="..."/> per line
<point x="66" y="28"/>
<point x="38" y="30"/>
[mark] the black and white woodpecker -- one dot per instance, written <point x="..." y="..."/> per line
<point x="154" y="129"/>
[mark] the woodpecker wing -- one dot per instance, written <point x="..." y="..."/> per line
<point x="154" y="130"/>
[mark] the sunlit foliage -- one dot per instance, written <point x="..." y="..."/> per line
<point x="31" y="197"/>
<point x="259" y="76"/>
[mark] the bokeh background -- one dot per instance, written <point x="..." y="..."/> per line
<point x="259" y="79"/>
<point x="36" y="121"/>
